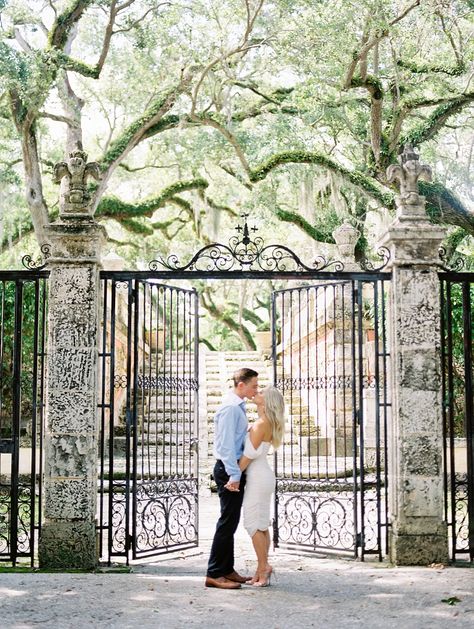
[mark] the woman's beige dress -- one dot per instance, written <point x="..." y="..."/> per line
<point x="259" y="488"/>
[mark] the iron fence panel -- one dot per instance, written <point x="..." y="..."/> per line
<point x="23" y="328"/>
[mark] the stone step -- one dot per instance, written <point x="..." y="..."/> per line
<point x="161" y="449"/>
<point x="165" y="428"/>
<point x="170" y="401"/>
<point x="166" y="417"/>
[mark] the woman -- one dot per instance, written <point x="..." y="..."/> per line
<point x="265" y="432"/>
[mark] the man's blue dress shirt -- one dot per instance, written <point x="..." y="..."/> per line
<point x="230" y="429"/>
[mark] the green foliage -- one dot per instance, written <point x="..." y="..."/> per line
<point x="68" y="63"/>
<point x="28" y="77"/>
<point x="177" y="102"/>
<point x="440" y="200"/>
<point x="312" y="231"/>
<point x="451" y="600"/>
<point x="10" y="293"/>
<point x="454" y="323"/>
<point x="112" y="207"/>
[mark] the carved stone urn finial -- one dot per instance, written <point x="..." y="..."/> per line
<point x="409" y="202"/>
<point x="74" y="197"/>
<point x="346" y="237"/>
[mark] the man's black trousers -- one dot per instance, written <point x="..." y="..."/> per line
<point x="221" y="559"/>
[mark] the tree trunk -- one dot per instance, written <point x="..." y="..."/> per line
<point x="33" y="183"/>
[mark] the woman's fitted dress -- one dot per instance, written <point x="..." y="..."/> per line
<point x="259" y="487"/>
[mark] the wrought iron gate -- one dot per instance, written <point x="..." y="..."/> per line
<point x="457" y="312"/>
<point x="148" y="488"/>
<point x="330" y="356"/>
<point x="23" y="297"/>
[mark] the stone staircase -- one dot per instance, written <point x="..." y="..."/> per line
<point x="165" y="421"/>
<point x="164" y="432"/>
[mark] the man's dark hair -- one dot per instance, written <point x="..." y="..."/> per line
<point x="244" y="375"/>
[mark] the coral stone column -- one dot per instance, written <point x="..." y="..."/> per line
<point x="68" y="537"/>
<point x="418" y="533"/>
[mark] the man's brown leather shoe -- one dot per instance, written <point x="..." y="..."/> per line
<point x="237" y="578"/>
<point x="222" y="582"/>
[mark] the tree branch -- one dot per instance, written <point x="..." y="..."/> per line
<point x="302" y="223"/>
<point x="112" y="207"/>
<point x="443" y="206"/>
<point x="356" y="178"/>
<point x="58" y="118"/>
<point x="64" y="22"/>
<point x="61" y="31"/>
<point x="428" y="129"/>
<point x="369" y="43"/>
<point x="228" y="135"/>
<point x="220" y="315"/>
<point x="136" y="132"/>
<point x="426" y="68"/>
<point x="374" y="86"/>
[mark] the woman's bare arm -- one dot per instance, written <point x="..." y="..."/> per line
<point x="243" y="462"/>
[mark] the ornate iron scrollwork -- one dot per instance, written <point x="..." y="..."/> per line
<point x="456" y="265"/>
<point x="244" y="253"/>
<point x="166" y="383"/>
<point x="38" y="264"/>
<point x="166" y="513"/>
<point x="120" y="381"/>
<point x="382" y="254"/>
<point x="325" y="383"/>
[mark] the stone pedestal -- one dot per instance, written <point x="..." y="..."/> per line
<point x="418" y="534"/>
<point x="68" y="537"/>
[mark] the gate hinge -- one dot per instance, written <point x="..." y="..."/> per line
<point x="357" y="416"/>
<point x="359" y="540"/>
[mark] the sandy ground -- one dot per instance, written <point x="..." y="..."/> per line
<point x="308" y="591"/>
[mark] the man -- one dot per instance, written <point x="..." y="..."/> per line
<point x="230" y="430"/>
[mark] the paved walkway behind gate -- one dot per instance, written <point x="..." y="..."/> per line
<point x="168" y="592"/>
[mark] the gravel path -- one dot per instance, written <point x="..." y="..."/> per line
<point x="169" y="592"/>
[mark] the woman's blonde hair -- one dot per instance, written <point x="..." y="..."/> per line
<point x="275" y="411"/>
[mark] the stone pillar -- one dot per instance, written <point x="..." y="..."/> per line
<point x="68" y="536"/>
<point x="418" y="534"/>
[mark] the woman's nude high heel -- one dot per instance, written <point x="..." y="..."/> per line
<point x="267" y="577"/>
<point x="254" y="579"/>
